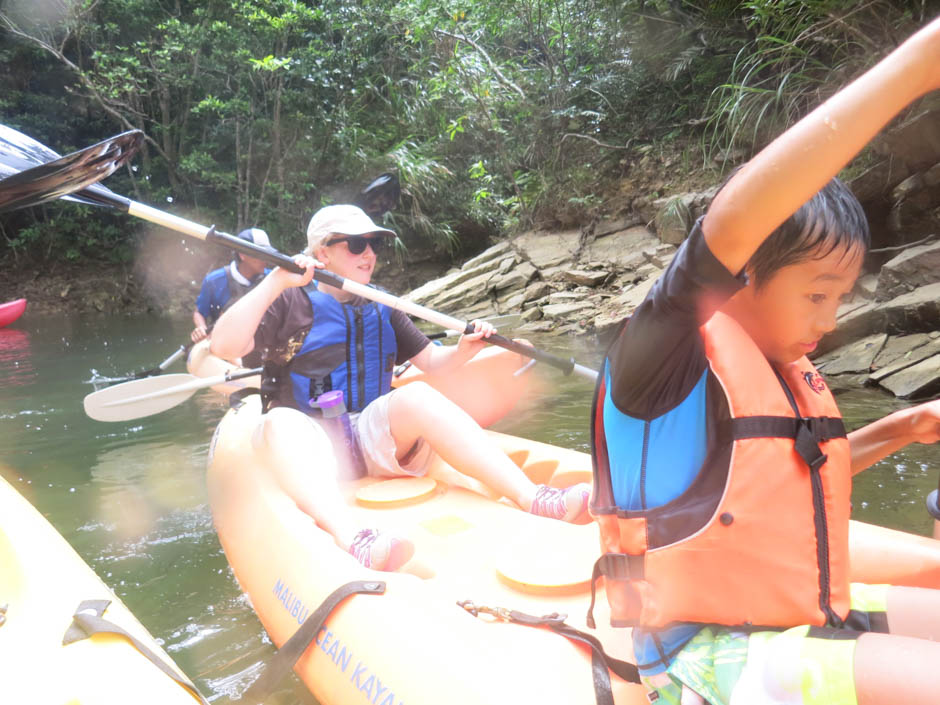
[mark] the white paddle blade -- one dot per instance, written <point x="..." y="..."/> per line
<point x="143" y="397"/>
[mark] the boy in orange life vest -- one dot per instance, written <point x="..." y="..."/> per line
<point x="744" y="524"/>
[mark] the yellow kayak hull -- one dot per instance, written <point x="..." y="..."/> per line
<point x="42" y="583"/>
<point x="414" y="644"/>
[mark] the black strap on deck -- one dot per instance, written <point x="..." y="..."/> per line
<point x="601" y="662"/>
<point x="293" y="648"/>
<point x="88" y="621"/>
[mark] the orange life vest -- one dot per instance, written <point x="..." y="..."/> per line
<point x="761" y="536"/>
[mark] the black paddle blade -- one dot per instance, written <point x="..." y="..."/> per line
<point x="63" y="175"/>
<point x="381" y="196"/>
<point x="19" y="152"/>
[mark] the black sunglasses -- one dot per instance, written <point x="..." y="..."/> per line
<point x="357" y="243"/>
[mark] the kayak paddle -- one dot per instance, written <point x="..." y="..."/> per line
<point x="49" y="180"/>
<point x="146" y="397"/>
<point x="103" y="196"/>
<point x="180" y="352"/>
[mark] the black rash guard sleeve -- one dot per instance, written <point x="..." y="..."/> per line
<point x="659" y="356"/>
<point x="409" y="339"/>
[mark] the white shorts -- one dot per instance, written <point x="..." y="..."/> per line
<point x="378" y="446"/>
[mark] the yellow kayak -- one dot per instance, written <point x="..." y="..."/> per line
<point x="202" y="363"/>
<point x="415" y="643"/>
<point x="65" y="638"/>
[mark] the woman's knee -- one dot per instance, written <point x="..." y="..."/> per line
<point x="418" y="398"/>
<point x="286" y="427"/>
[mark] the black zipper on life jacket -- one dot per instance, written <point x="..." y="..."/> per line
<point x="643" y="459"/>
<point x="350" y="403"/>
<point x="360" y="358"/>
<point x="821" y="524"/>
<point x="381" y="362"/>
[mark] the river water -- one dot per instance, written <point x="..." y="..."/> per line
<point x="131" y="497"/>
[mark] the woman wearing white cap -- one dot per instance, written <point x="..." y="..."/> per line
<point x="316" y="338"/>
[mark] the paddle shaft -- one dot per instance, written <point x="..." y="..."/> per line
<point x="509" y="319"/>
<point x="210" y="234"/>
<point x="195" y="385"/>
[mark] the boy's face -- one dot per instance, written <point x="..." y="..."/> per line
<point x="797" y="305"/>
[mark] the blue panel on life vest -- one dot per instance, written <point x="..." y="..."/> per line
<point x="653" y="462"/>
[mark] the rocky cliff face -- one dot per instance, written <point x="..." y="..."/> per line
<point x="586" y="281"/>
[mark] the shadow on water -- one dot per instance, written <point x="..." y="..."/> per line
<point x="131" y="497"/>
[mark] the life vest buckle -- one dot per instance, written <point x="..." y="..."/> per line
<point x="476" y="610"/>
<point x="811" y="431"/>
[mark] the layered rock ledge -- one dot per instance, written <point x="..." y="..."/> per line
<point x="586" y="281"/>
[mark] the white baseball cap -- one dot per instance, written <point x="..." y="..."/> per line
<point x="340" y="220"/>
<point x="257" y="236"/>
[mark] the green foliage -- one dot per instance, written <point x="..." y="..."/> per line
<point x="496" y="115"/>
<point x="793" y="54"/>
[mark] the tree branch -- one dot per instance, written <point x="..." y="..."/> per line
<point x="11" y="27"/>
<point x="596" y="141"/>
<point x="499" y="74"/>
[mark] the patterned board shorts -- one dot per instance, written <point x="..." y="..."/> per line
<point x="799" y="666"/>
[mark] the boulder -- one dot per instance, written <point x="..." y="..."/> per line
<point x="877" y="181"/>
<point x="898" y="347"/>
<point x="915" y="203"/>
<point x="481" y="271"/>
<point x="620" y="250"/>
<point x="916" y="141"/>
<point x="911" y="268"/>
<point x="495" y="252"/>
<point x="559" y="297"/>
<point x="917" y="311"/>
<point x="583" y="277"/>
<point x="866" y="286"/>
<point x="462" y="295"/>
<point x="536" y="290"/>
<point x="675" y="215"/>
<point x="854" y="357"/>
<point x="919" y="380"/>
<point x="507" y="263"/>
<point x="629" y="299"/>
<point x="856" y="320"/>
<point x="532" y="314"/>
<point x="565" y="310"/>
<point x="911" y="357"/>
<point x="514" y="279"/>
<point x="548" y="249"/>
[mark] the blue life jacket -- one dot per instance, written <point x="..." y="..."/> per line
<point x="351" y="347"/>
<point x="220" y="290"/>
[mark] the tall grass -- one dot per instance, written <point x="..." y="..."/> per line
<point x="793" y="55"/>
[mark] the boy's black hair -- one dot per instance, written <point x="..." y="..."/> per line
<point x="830" y="220"/>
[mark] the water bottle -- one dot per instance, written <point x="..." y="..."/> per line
<point x="336" y="422"/>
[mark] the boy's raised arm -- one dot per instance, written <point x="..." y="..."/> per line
<point x="790" y="170"/>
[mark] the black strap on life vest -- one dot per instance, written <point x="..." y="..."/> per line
<point x="88" y="621"/>
<point x="602" y="664"/>
<point x="807" y="433"/>
<point x="617" y="566"/>
<point x="293" y="648"/>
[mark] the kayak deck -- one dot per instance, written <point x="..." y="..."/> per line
<point x="43" y="581"/>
